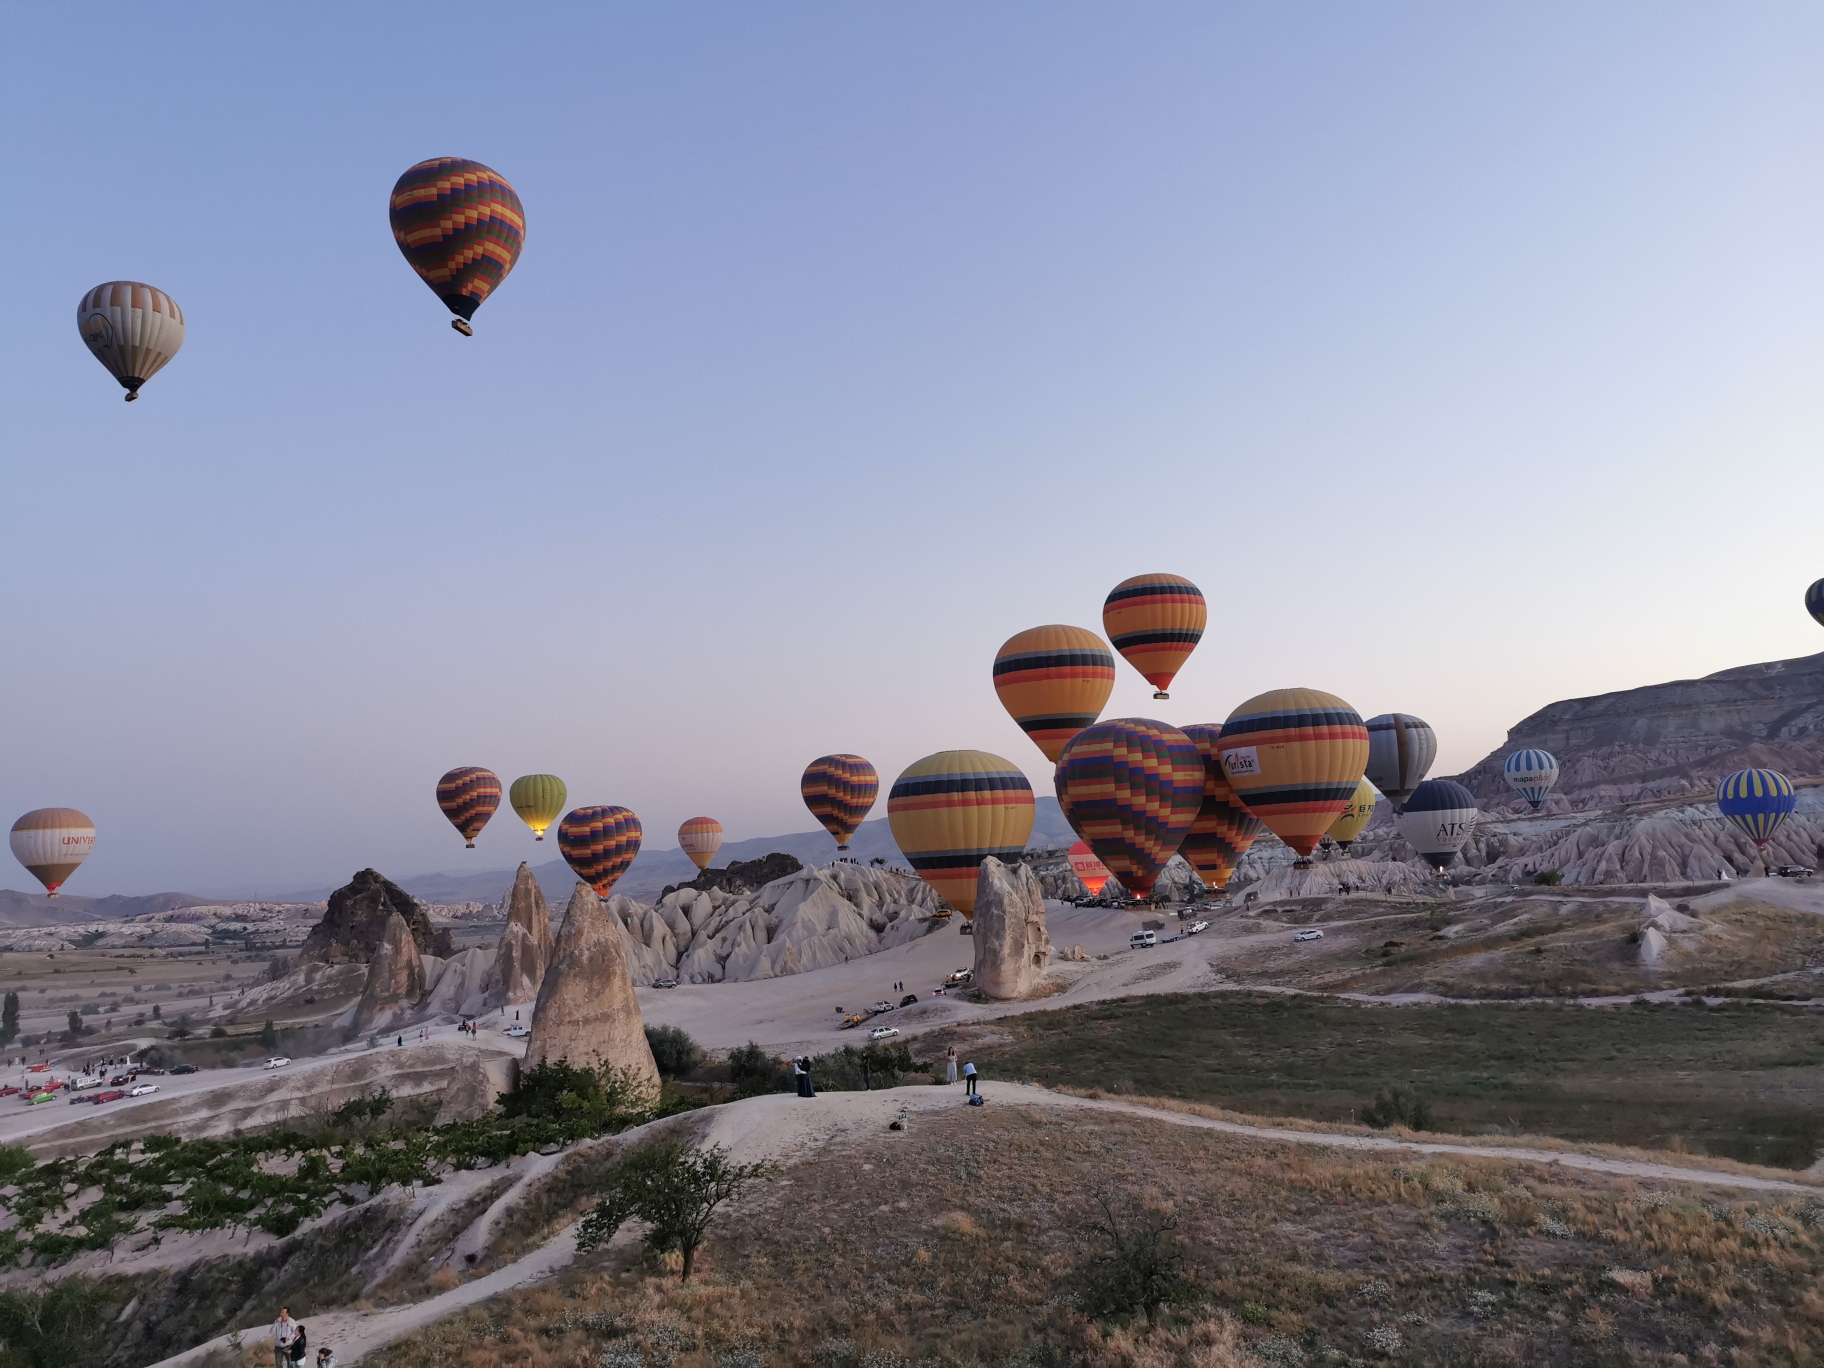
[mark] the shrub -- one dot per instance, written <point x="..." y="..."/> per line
<point x="753" y="1071"/>
<point x="675" y="1052"/>
<point x="1398" y="1106"/>
<point x="675" y="1190"/>
<point x="1550" y="878"/>
<point x="218" y="1033"/>
<point x="584" y="1101"/>
<point x="269" y="1037"/>
<point x="1137" y="1267"/>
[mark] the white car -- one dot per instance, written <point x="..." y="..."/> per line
<point x="961" y="976"/>
<point x="882" y="1006"/>
<point x="1311" y="935"/>
<point x="664" y="983"/>
<point x="78" y="1084"/>
<point x="1195" y="927"/>
<point x="142" y="1090"/>
<point x="518" y="1032"/>
<point x="883" y="1032"/>
<point x="1142" y="940"/>
<point x="276" y="1062"/>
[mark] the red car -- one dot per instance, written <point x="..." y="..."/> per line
<point x="38" y="1068"/>
<point x="8" y="1091"/>
<point x="113" y="1095"/>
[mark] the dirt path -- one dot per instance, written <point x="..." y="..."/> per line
<point x="785" y="1128"/>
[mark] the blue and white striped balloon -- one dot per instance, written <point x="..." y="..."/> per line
<point x="1531" y="773"/>
<point x="1756" y="802"/>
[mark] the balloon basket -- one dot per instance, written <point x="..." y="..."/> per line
<point x="538" y="838"/>
<point x="462" y="326"/>
<point x="131" y="396"/>
<point x="469" y="846"/>
<point x="1162" y="694"/>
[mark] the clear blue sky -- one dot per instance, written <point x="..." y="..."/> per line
<point x="1468" y="359"/>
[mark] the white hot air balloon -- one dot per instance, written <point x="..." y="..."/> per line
<point x="51" y="842"/>
<point x="133" y="330"/>
<point x="1531" y="774"/>
<point x="1437" y="819"/>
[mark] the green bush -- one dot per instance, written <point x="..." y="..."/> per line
<point x="753" y="1071"/>
<point x="852" y="1068"/>
<point x="675" y="1052"/>
<point x="269" y="1037"/>
<point x="1398" y="1106"/>
<point x="1550" y="878"/>
<point x="674" y="1190"/>
<point x="583" y="1101"/>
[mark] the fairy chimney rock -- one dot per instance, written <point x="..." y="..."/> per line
<point x="526" y="943"/>
<point x="395" y="978"/>
<point x="1012" y="946"/>
<point x="587" y="1012"/>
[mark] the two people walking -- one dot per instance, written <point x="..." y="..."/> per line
<point x="290" y="1345"/>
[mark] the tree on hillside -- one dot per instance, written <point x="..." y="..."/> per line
<point x="675" y="1190"/>
<point x="269" y="1037"/>
<point x="9" y="1019"/>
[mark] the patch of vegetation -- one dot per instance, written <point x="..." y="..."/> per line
<point x="674" y="1051"/>
<point x="675" y="1190"/>
<point x="1398" y="1106"/>
<point x="1549" y="878"/>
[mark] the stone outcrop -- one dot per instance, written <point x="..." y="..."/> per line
<point x="395" y="979"/>
<point x="1326" y="878"/>
<point x="478" y="1082"/>
<point x="355" y="922"/>
<point x="741" y="876"/>
<point x="1012" y="946"/>
<point x="458" y="984"/>
<point x="587" y="1012"/>
<point x="525" y="946"/>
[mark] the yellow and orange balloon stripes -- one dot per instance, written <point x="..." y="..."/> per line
<point x="839" y="790"/>
<point x="1294" y="756"/>
<point x="1224" y="829"/>
<point x="951" y="811"/>
<point x="599" y="843"/>
<point x="1131" y="788"/>
<point x="538" y="799"/>
<point x="700" y="838"/>
<point x="468" y="796"/>
<point x="1355" y="817"/>
<point x="1054" y="681"/>
<point x="1155" y="621"/>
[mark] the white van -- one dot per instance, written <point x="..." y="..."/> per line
<point x="1143" y="940"/>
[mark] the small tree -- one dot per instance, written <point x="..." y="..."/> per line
<point x="269" y="1037"/>
<point x="1138" y="1265"/>
<point x="9" y="1019"/>
<point x="675" y="1190"/>
<point x="675" y="1052"/>
<point x="75" y="1024"/>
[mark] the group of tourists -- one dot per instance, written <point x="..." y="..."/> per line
<point x="289" y="1344"/>
<point x="968" y="1072"/>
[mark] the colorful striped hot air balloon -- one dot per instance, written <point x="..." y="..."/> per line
<point x="1401" y="748"/>
<point x="1224" y="828"/>
<point x="1294" y="756"/>
<point x="133" y="330"/>
<point x="51" y="842"/>
<point x="1155" y="621"/>
<point x="700" y="838"/>
<point x="461" y="227"/>
<point x="1356" y="816"/>
<point x="1814" y="602"/>
<point x="1531" y="774"/>
<point x="951" y="811"/>
<point x="839" y="790"/>
<point x="1131" y="789"/>
<point x="1438" y="818"/>
<point x="599" y="843"/>
<point x="1090" y="871"/>
<point x="1054" y="681"/>
<point x="538" y="799"/>
<point x="468" y="796"/>
<point x="1757" y="803"/>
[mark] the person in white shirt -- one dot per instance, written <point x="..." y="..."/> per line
<point x="284" y="1331"/>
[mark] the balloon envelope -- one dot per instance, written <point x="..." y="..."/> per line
<point x="461" y="226"/>
<point x="1757" y="803"/>
<point x="951" y="811"/>
<point x="599" y="843"/>
<point x="1437" y="819"/>
<point x="1131" y="788"/>
<point x="1814" y="602"/>
<point x="1401" y="748"/>
<point x="1155" y="621"/>
<point x="1294" y="756"/>
<point x="1054" y="681"/>
<point x="1354" y="817"/>
<point x="839" y="790"/>
<point x="468" y="796"/>
<point x="538" y="799"/>
<point x="1224" y="828"/>
<point x="51" y="842"/>
<point x="1531" y="774"/>
<point x="1090" y="871"/>
<point x="132" y="329"/>
<point x="700" y="838"/>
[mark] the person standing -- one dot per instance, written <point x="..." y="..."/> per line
<point x="810" y="1083"/>
<point x="799" y="1076"/>
<point x="284" y="1331"/>
<point x="969" y="1079"/>
<point x="298" y="1347"/>
<point x="950" y="1065"/>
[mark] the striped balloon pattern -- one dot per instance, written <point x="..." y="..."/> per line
<point x="1757" y="803"/>
<point x="1401" y="748"/>
<point x="538" y="799"/>
<point x="1294" y="756"/>
<point x="1224" y="828"/>
<point x="951" y="811"/>
<point x="599" y="843"/>
<point x="51" y="842"/>
<point x="1355" y="817"/>
<point x="700" y="838"/>
<point x="1814" y="602"/>
<point x="1054" y="681"/>
<point x="132" y="329"/>
<point x="1439" y="816"/>
<point x="1531" y="774"/>
<point x="1155" y="621"/>
<point x="1131" y="788"/>
<point x="1090" y="871"/>
<point x="839" y="790"/>
<point x="468" y="796"/>
<point x="461" y="227"/>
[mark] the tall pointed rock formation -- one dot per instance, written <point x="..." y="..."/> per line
<point x="526" y="944"/>
<point x="587" y="1012"/>
<point x="395" y="978"/>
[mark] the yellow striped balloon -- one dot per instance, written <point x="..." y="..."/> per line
<point x="539" y="799"/>
<point x="1356" y="816"/>
<point x="1294" y="756"/>
<point x="132" y="329"/>
<point x="700" y="838"/>
<point x="951" y="811"/>
<point x="1054" y="681"/>
<point x="1155" y="621"/>
<point x="1225" y="829"/>
<point x="599" y="843"/>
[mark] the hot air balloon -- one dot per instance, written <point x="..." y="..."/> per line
<point x="1224" y="828"/>
<point x="1155" y="621"/>
<point x="1294" y="756"/>
<point x="468" y="796"/>
<point x="599" y="843"/>
<point x="461" y="227"/>
<point x="133" y="330"/>
<point x="1090" y="871"/>
<point x="1131" y="789"/>
<point x="839" y="790"/>
<point x="51" y="842"/>
<point x="1814" y="602"/>
<point x="1438" y="817"/>
<point x="538" y="799"/>
<point x="1354" y="817"/>
<point x="1401" y="748"/>
<point x="1531" y="774"/>
<point x="1054" y="681"/>
<point x="951" y="811"/>
<point x="1756" y="802"/>
<point x="700" y="838"/>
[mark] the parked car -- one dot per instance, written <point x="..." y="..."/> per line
<point x="120" y="1080"/>
<point x="518" y="1032"/>
<point x="79" y="1100"/>
<point x="664" y="983"/>
<point x="142" y="1090"/>
<point x="111" y="1095"/>
<point x="1794" y="871"/>
<point x="38" y="1097"/>
<point x="276" y="1062"/>
<point x="909" y="1000"/>
<point x="883" y="1032"/>
<point x="1143" y="940"/>
<point x="1195" y="927"/>
<point x="961" y="976"/>
<point x="882" y="1006"/>
<point x="183" y="1068"/>
<point x="1311" y="935"/>
<point x="78" y="1084"/>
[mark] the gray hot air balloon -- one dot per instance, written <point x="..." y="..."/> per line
<point x="1401" y="748"/>
<point x="1438" y="818"/>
